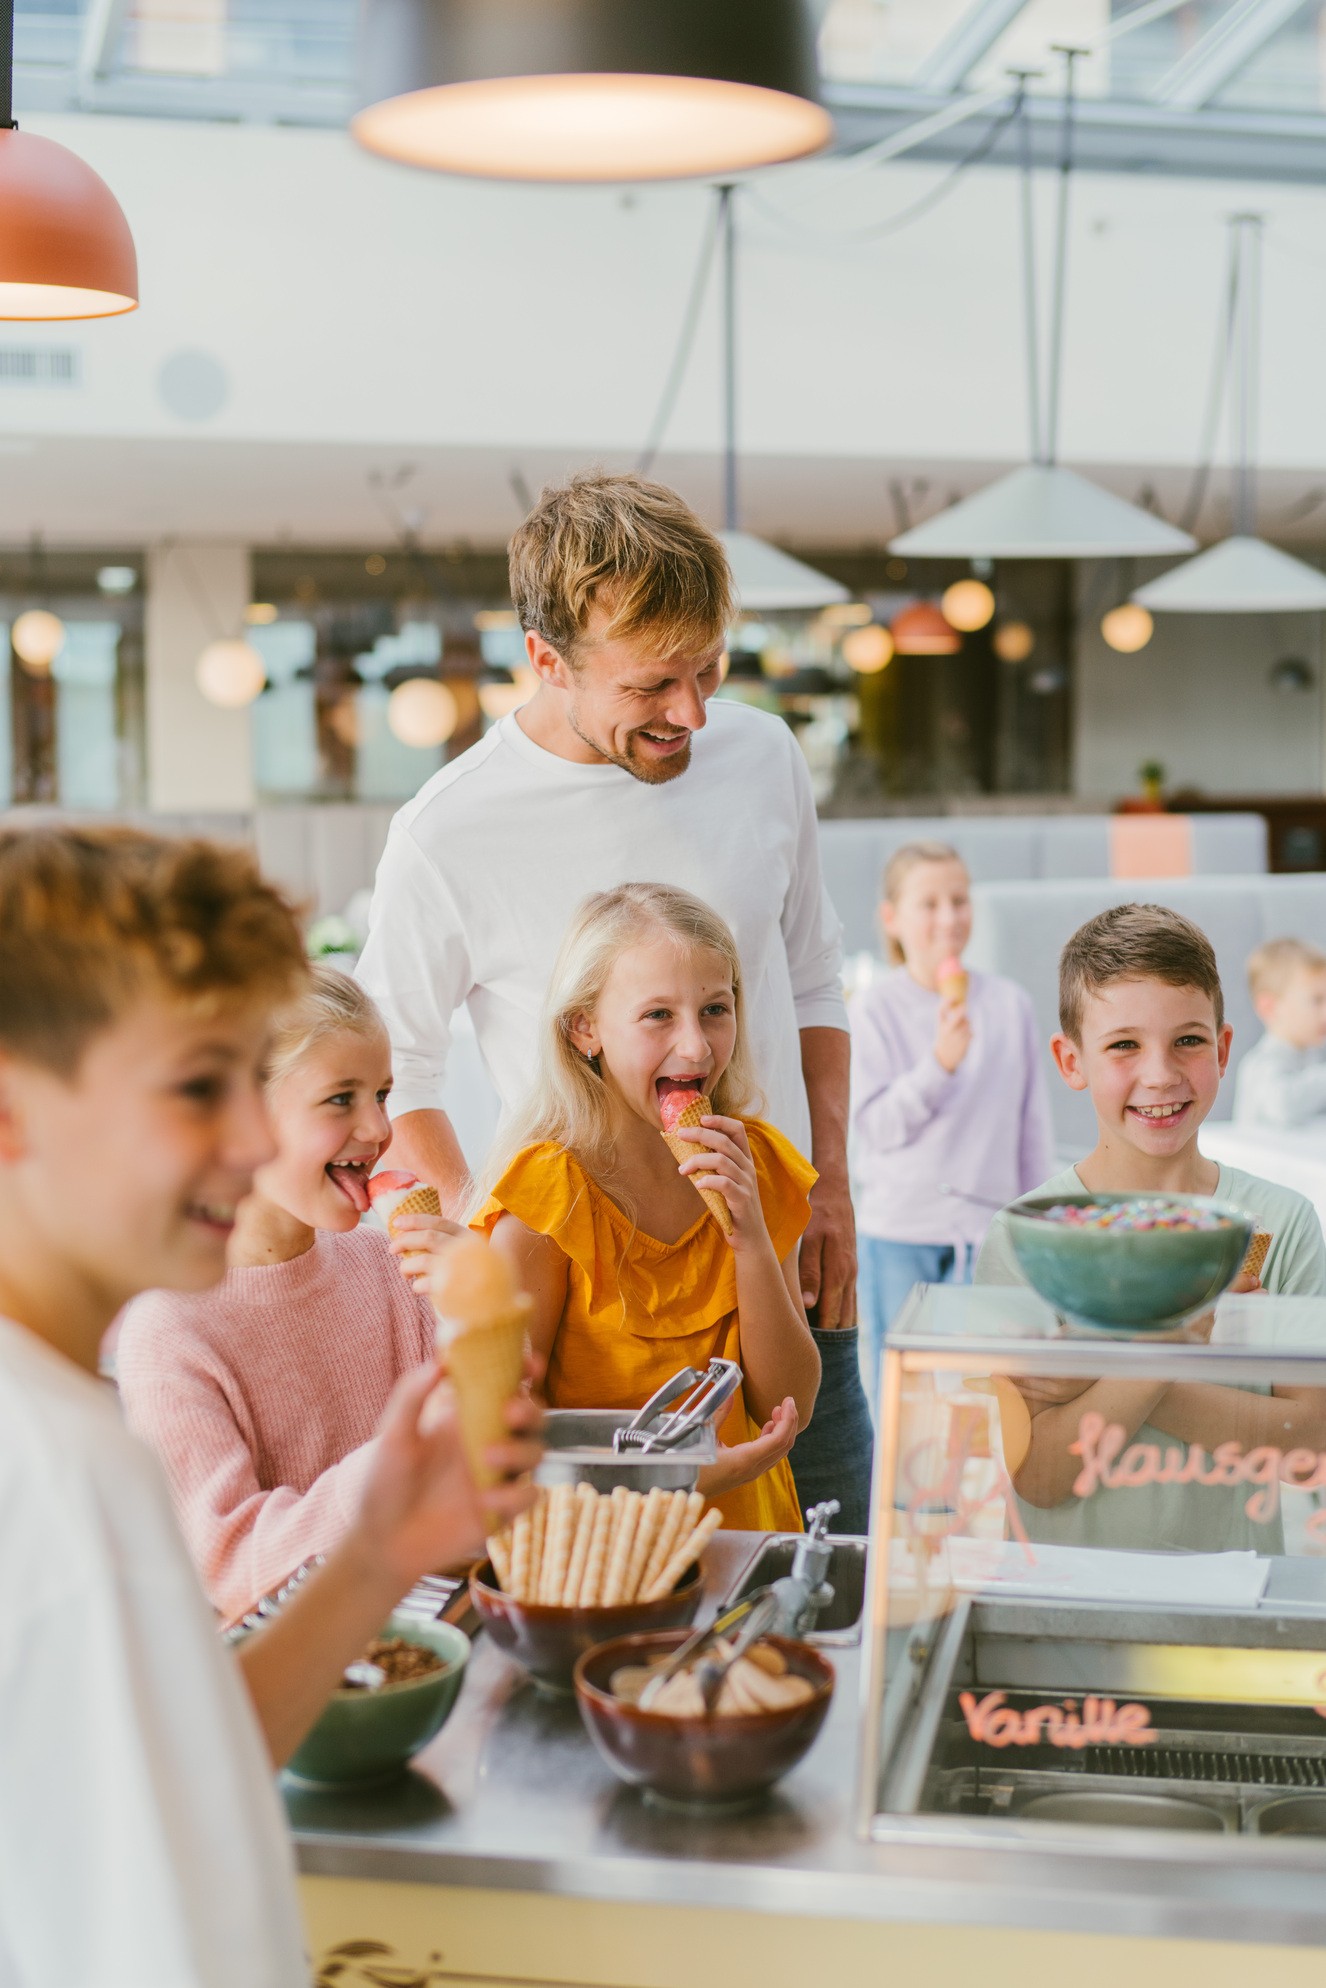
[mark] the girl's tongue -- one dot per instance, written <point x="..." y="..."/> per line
<point x="674" y="1095"/>
<point x="351" y="1176"/>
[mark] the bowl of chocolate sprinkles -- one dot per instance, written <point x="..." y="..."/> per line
<point x="370" y="1730"/>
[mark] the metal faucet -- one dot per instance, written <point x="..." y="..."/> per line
<point x="805" y="1591"/>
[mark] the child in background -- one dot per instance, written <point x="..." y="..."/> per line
<point x="632" y="1277"/>
<point x="1143" y="1029"/>
<point x="140" y="1833"/>
<point x="1282" y="1079"/>
<point x="949" y="1112"/>
<point x="261" y="1396"/>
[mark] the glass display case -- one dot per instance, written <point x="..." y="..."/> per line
<point x="1097" y="1593"/>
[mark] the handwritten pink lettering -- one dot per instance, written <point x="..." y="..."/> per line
<point x="1101" y="1722"/>
<point x="1108" y="1465"/>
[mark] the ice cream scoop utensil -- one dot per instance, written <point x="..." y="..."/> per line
<point x="662" y="1398"/>
<point x="763" y="1615"/>
<point x="699" y="1640"/>
<point x="714" y="1389"/>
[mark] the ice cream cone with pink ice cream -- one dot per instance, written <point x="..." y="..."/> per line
<point x="482" y="1322"/>
<point x="681" y="1107"/>
<point x="393" y="1193"/>
<point x="952" y="982"/>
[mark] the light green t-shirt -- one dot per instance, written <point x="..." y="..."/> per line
<point x="1194" y="1518"/>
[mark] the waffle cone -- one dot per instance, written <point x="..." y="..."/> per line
<point x="953" y="987"/>
<point x="486" y="1364"/>
<point x="686" y="1149"/>
<point x="421" y="1200"/>
<point x="1254" y="1261"/>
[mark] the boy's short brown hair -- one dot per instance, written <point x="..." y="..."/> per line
<point x="93" y="918"/>
<point x="1273" y="966"/>
<point x="1135" y="942"/>
<point x="626" y="545"/>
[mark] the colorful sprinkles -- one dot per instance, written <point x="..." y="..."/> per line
<point x="1146" y="1212"/>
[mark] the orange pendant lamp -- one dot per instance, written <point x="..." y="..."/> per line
<point x="65" y="246"/>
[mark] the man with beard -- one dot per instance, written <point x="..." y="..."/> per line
<point x="620" y="770"/>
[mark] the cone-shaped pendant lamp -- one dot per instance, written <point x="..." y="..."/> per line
<point x="1042" y="511"/>
<point x="765" y="578"/>
<point x="65" y="246"/>
<point x="589" y="89"/>
<point x="1241" y="575"/>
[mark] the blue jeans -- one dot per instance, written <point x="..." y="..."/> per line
<point x="835" y="1455"/>
<point x="886" y="1273"/>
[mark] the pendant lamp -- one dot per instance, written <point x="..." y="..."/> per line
<point x="921" y="630"/>
<point x="65" y="246"/>
<point x="1241" y="575"/>
<point x="766" y="579"/>
<point x="589" y="90"/>
<point x="1043" y="511"/>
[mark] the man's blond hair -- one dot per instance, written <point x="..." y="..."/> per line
<point x="630" y="547"/>
<point x="1135" y="942"/>
<point x="1273" y="966"/>
<point x="94" y="919"/>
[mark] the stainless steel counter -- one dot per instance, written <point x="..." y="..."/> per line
<point x="511" y="1795"/>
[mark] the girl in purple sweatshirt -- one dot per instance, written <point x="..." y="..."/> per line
<point x="949" y="1111"/>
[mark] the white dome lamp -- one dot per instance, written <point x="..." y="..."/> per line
<point x="230" y="673"/>
<point x="1242" y="574"/>
<point x="1043" y="511"/>
<point x="589" y="90"/>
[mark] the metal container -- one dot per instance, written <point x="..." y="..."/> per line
<point x="1106" y="1809"/>
<point x="578" y="1450"/>
<point x="1295" y="1815"/>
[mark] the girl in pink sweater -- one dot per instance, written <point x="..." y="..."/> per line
<point x="261" y="1396"/>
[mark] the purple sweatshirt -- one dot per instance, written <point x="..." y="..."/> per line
<point x="984" y="1130"/>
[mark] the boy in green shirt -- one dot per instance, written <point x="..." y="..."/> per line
<point x="1142" y="1028"/>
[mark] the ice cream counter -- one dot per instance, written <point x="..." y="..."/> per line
<point x="510" y="1854"/>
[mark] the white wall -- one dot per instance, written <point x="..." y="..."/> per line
<point x="198" y="757"/>
<point x="1197" y="699"/>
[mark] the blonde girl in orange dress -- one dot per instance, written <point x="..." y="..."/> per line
<point x="632" y="1278"/>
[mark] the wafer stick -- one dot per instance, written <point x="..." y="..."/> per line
<point x="689" y="1550"/>
<point x="499" y="1553"/>
<point x="522" y="1534"/>
<point x="586" y="1501"/>
<point x="596" y="1566"/>
<point x="614" y="1587"/>
<point x="559" y="1530"/>
<point x="536" y="1548"/>
<point x="665" y="1539"/>
<point x="646" y="1532"/>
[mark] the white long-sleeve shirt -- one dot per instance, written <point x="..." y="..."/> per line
<point x="1278" y="1085"/>
<point x="485" y="868"/>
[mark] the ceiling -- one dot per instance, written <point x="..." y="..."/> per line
<point x="1224" y="87"/>
<point x="116" y="492"/>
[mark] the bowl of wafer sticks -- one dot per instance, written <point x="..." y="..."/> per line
<point x="583" y="1566"/>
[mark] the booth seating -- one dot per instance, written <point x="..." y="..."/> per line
<point x="1020" y="848"/>
<point x="1020" y="930"/>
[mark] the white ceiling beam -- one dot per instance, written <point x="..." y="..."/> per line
<point x="1223" y="51"/>
<point x="100" y="41"/>
<point x="972" y="36"/>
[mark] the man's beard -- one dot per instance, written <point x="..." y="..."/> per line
<point x="653" y="772"/>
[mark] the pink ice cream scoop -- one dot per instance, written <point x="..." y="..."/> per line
<point x="390" y="1190"/>
<point x="674" y="1102"/>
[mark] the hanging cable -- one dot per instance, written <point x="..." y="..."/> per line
<point x="681" y="356"/>
<point x="1030" y="304"/>
<point x="1215" y="399"/>
<point x="1059" y="292"/>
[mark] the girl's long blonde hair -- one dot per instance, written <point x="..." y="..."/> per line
<point x="570" y="1104"/>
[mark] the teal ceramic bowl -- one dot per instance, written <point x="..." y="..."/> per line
<point x="1127" y="1280"/>
<point x="368" y="1736"/>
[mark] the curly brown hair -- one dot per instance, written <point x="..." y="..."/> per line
<point x="91" y="919"/>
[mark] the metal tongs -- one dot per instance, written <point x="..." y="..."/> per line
<point x="787" y="1608"/>
<point x="705" y="1395"/>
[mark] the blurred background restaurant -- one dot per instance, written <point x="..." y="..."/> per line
<point x="252" y="535"/>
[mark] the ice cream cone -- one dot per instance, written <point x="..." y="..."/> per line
<point x="686" y="1149"/>
<point x="952" y="982"/>
<point x="1255" y="1260"/>
<point x="421" y="1200"/>
<point x="486" y="1364"/>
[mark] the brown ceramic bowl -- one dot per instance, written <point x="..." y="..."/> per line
<point x="548" y="1640"/>
<point x="698" y="1763"/>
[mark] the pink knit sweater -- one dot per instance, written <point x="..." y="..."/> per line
<point x="261" y="1397"/>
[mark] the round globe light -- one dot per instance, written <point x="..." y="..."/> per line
<point x="1127" y="628"/>
<point x="921" y="630"/>
<point x="38" y="637"/>
<point x="230" y="674"/>
<point x="868" y="650"/>
<point x="1013" y="641"/>
<point x="968" y="605"/>
<point x="422" y="712"/>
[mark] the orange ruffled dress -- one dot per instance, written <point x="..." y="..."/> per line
<point x="638" y="1310"/>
